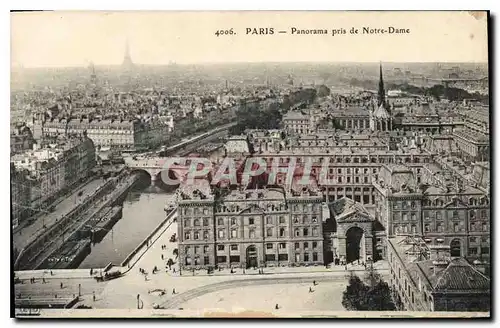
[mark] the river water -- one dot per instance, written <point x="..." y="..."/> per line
<point x="143" y="210"/>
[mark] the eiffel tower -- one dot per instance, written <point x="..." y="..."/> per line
<point x="127" y="60"/>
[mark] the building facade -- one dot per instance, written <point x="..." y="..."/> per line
<point x="251" y="228"/>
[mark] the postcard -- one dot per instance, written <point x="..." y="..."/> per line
<point x="250" y="164"/>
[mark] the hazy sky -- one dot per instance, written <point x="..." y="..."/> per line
<point x="76" y="38"/>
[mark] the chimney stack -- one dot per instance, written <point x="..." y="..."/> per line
<point x="440" y="256"/>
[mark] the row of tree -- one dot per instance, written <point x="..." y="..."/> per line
<point x="257" y="116"/>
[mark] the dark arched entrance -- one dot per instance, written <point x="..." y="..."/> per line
<point x="353" y="243"/>
<point x="455" y="248"/>
<point x="251" y="256"/>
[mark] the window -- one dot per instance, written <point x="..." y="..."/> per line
<point x="187" y="222"/>
<point x="297" y="246"/>
<point x="282" y="257"/>
<point x="270" y="257"/>
<point x="269" y="220"/>
<point x="233" y="221"/>
<point x="427" y="227"/>
<point x="220" y="247"/>
<point x="297" y="233"/>
<point x="188" y="260"/>
<point x="473" y="251"/>
<point x="252" y="233"/>
<point x="251" y="221"/>
<point x="306" y="257"/>
<point x="306" y="232"/>
<point x="205" y="222"/>
<point x="315" y="257"/>
<point x="205" y="211"/>
<point x="234" y="233"/>
<point x="314" y="219"/>
<point x="484" y="226"/>
<point x="485" y="250"/>
<point x="269" y="246"/>
<point x="456" y="227"/>
<point x="220" y="221"/>
<point x="221" y="259"/>
<point x="221" y="234"/>
<point x="315" y="244"/>
<point x="196" y="235"/>
<point x="455" y="214"/>
<point x="282" y="232"/>
<point x="205" y="234"/>
<point x="196" y="222"/>
<point x="439" y="216"/>
<point x="405" y="216"/>
<point x="269" y="232"/>
<point x="282" y="219"/>
<point x="297" y="257"/>
<point x="206" y="260"/>
<point x="187" y="236"/>
<point x="234" y="247"/>
<point x="305" y="219"/>
<point x="315" y="232"/>
<point x="413" y="216"/>
<point x="205" y="249"/>
<point x="282" y="245"/>
<point x="196" y="249"/>
<point x="306" y="245"/>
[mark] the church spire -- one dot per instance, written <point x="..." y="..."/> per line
<point x="381" y="90"/>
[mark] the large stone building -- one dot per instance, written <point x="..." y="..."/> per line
<point x="442" y="210"/>
<point x="249" y="228"/>
<point x="426" y="278"/>
<point x="21" y="138"/>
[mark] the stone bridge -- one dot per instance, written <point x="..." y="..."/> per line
<point x="155" y="167"/>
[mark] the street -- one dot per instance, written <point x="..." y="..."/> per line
<point x="22" y="237"/>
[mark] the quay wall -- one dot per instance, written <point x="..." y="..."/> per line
<point x="144" y="244"/>
<point x="39" y="244"/>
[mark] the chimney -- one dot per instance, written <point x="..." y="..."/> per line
<point x="440" y="256"/>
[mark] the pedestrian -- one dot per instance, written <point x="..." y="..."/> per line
<point x="173" y="291"/>
<point x="276" y="306"/>
<point x="243" y="271"/>
<point x="174" y="270"/>
<point x="162" y="257"/>
<point x="91" y="271"/>
<point x="61" y="285"/>
<point x="93" y="296"/>
<point x="51" y="273"/>
<point x="314" y="282"/>
<point x="43" y="280"/>
<point x="346" y="267"/>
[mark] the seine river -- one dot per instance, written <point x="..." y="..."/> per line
<point x="143" y="210"/>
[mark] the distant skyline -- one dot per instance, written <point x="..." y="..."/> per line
<point x="75" y="39"/>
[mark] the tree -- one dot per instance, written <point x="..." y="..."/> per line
<point x="323" y="91"/>
<point x="353" y="296"/>
<point x="373" y="296"/>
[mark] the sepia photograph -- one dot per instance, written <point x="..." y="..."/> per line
<point x="250" y="164"/>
